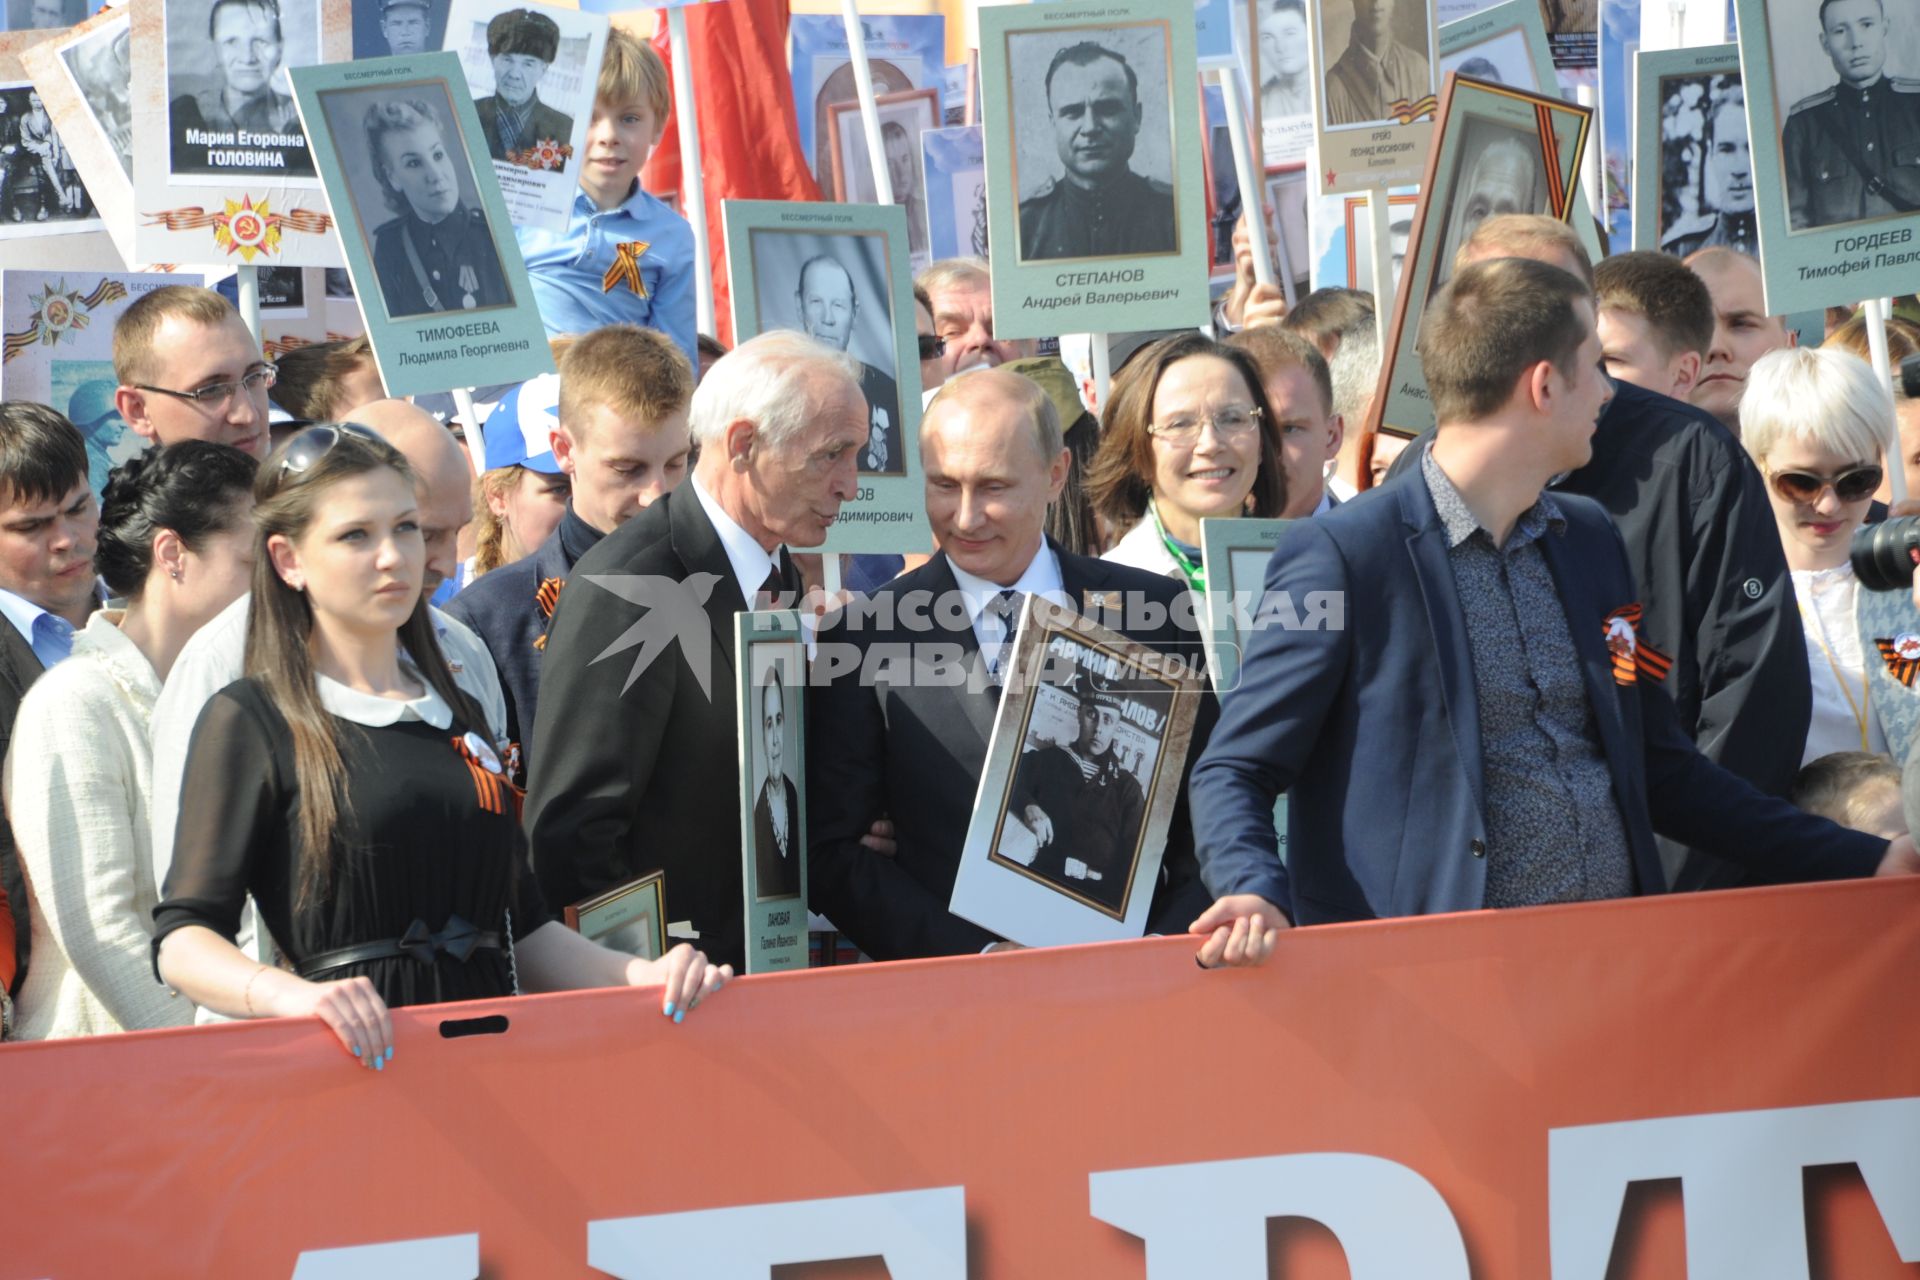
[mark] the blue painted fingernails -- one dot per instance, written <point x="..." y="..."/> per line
<point x="379" y="1064"/>
<point x="389" y="1053"/>
<point x="356" y="1050"/>
<point x="680" y="1016"/>
<point x="669" y="1009"/>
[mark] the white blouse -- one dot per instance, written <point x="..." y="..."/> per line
<point x="1836" y="665"/>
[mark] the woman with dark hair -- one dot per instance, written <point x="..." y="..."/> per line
<point x="176" y="545"/>
<point x="1187" y="435"/>
<point x="348" y="789"/>
<point x="438" y="255"/>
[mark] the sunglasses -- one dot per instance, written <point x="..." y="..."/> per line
<point x="315" y="443"/>
<point x="931" y="346"/>
<point x="1849" y="486"/>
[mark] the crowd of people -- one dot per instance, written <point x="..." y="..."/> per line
<point x="307" y="719"/>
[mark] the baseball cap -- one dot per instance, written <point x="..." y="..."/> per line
<point x="518" y="431"/>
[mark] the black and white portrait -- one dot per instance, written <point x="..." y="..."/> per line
<point x="383" y="28"/>
<point x="230" y="110"/>
<point x="1286" y="86"/>
<point x="44" y="15"/>
<point x="283" y="290"/>
<point x="1287" y="197"/>
<point x="836" y="288"/>
<point x="779" y="842"/>
<point x="953" y="164"/>
<point x="1092" y="137"/>
<point x="903" y="118"/>
<point x="339" y="283"/>
<point x="1705" y="173"/>
<point x="1850" y="113"/>
<point x="1502" y="59"/>
<point x="1076" y="808"/>
<point x="530" y="81"/>
<point x="40" y="191"/>
<point x="1496" y="169"/>
<point x="1378" y="60"/>
<point x="101" y="65"/>
<point x="414" y="196"/>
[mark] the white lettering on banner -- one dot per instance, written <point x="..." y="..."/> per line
<point x="1741" y="1180"/>
<point x="1210" y="1219"/>
<point x="921" y="1235"/>
<point x="439" y="1258"/>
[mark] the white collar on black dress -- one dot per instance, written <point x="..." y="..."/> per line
<point x="377" y="713"/>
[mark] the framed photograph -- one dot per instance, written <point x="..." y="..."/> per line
<point x="904" y="117"/>
<point x="41" y="195"/>
<point x="631" y="917"/>
<point x="1235" y="554"/>
<point x="1693" y="165"/>
<point x="283" y="290"/>
<point x="1287" y="201"/>
<point x="1343" y="239"/>
<point x="1375" y="65"/>
<point x="222" y="171"/>
<point x="1082" y="772"/>
<point x="955" y="164"/>
<point x="1093" y="222"/>
<point x="1283" y="65"/>
<point x="58" y="351"/>
<point x="532" y="68"/>
<point x="770" y="664"/>
<point x="429" y="245"/>
<point x="904" y="52"/>
<point x="1573" y="28"/>
<point x="1498" y="150"/>
<point x="83" y="77"/>
<point x="44" y="15"/>
<point x="398" y="28"/>
<point x="839" y="272"/>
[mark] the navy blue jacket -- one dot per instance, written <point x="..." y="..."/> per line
<point x="1372" y="727"/>
<point x="504" y="610"/>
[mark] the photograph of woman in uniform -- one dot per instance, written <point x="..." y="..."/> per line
<point x="438" y="253"/>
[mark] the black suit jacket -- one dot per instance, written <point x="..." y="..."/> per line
<point x="19" y="668"/>
<point x="503" y="608"/>
<point x="639" y="771"/>
<point x="914" y="751"/>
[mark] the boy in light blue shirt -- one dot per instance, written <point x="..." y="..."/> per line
<point x="625" y="257"/>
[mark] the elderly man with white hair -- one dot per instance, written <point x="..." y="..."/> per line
<point x="638" y="768"/>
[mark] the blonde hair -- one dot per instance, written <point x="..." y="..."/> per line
<point x="1827" y="397"/>
<point x="133" y="333"/>
<point x="490" y="542"/>
<point x="635" y="372"/>
<point x="1523" y="235"/>
<point x="633" y="72"/>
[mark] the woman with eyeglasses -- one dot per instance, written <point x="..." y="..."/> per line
<point x="351" y="791"/>
<point x="1186" y="436"/>
<point x="176" y="544"/>
<point x="1817" y="423"/>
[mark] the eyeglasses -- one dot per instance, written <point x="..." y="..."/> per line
<point x="1228" y="422"/>
<point x="932" y="346"/>
<point x="1851" y="485"/>
<point x="315" y="443"/>
<point x="218" y="395"/>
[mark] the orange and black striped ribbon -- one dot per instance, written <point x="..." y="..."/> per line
<point x="548" y="598"/>
<point x="1407" y="112"/>
<point x="1550" y="153"/>
<point x="493" y="791"/>
<point x="194" y="218"/>
<point x="1644" y="659"/>
<point x="1901" y="669"/>
<point x="104" y="292"/>
<point x="626" y="268"/>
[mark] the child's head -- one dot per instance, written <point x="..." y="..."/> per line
<point x="1856" y="789"/>
<point x="630" y="105"/>
<point x="623" y="434"/>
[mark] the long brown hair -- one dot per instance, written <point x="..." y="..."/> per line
<point x="279" y="652"/>
<point x="1120" y="479"/>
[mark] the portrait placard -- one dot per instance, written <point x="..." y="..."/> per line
<point x="1693" y="167"/>
<point x="1095" y="190"/>
<point x="83" y="76"/>
<point x="1235" y="554"/>
<point x="839" y="273"/>
<point x="398" y="28"/>
<point x="58" y="351"/>
<point x="1375" y="64"/>
<point x="1285" y="71"/>
<point x="904" y="117"/>
<point x="955" y="164"/>
<point x="770" y="662"/>
<point x="1286" y="200"/>
<point x="1833" y="116"/>
<point x="47" y="215"/>
<point x="222" y="170"/>
<point x="428" y="242"/>
<point x="904" y="52"/>
<point x="1498" y="150"/>
<point x="1082" y="773"/>
<point x="631" y="917"/>
<point x="532" y="68"/>
<point x="1343" y="239"/>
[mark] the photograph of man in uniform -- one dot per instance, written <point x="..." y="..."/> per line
<point x="1285" y="89"/>
<point x="1852" y="151"/>
<point x="829" y="307"/>
<point x="1099" y="206"/>
<point x="101" y="65"/>
<point x="1082" y="805"/>
<point x="522" y="44"/>
<point x="405" y="26"/>
<point x="1377" y="74"/>
<point x="208" y="115"/>
<point x="1501" y="172"/>
<point x="437" y="254"/>
<point x="1723" y="211"/>
<point x="776" y="808"/>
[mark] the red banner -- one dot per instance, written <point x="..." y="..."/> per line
<point x="1724" y="1086"/>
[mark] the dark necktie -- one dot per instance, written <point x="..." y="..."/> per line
<point x="1005" y="607"/>
<point x="781" y="590"/>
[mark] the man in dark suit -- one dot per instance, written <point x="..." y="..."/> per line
<point x="522" y="44"/>
<point x="1299" y="386"/>
<point x="776" y="810"/>
<point x="900" y="722"/>
<point x="48" y="520"/>
<point x="1516" y="747"/>
<point x="637" y="767"/>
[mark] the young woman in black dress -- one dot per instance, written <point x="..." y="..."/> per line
<point x="343" y="785"/>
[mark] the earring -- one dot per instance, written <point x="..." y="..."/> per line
<point x="174" y="573"/>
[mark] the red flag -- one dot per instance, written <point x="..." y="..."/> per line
<point x="749" y="136"/>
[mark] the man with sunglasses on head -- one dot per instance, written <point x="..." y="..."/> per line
<point x="189" y="369"/>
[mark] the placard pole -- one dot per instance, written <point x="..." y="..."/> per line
<point x="476" y="435"/>
<point x="1102" y="359"/>
<point x="1876" y="311"/>
<point x="693" y="191"/>
<point x="869" y="112"/>
<point x="246" y="278"/>
<point x="1253" y="202"/>
<point x="1380" y="225"/>
<point x="830" y="574"/>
